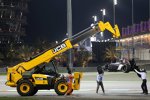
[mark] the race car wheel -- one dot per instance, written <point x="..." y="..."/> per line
<point x="126" y="68"/>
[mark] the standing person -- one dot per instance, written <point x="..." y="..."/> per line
<point x="69" y="81"/>
<point x="142" y="74"/>
<point x="99" y="79"/>
<point x="133" y="63"/>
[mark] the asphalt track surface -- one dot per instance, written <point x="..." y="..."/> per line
<point x="118" y="86"/>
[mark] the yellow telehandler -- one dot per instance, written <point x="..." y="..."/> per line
<point x="40" y="72"/>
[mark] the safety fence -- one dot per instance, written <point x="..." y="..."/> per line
<point x="80" y="69"/>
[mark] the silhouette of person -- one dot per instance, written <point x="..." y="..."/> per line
<point x="142" y="73"/>
<point x="99" y="79"/>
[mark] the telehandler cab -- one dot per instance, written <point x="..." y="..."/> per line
<point x="33" y="75"/>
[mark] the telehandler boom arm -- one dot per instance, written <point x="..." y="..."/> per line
<point x="47" y="55"/>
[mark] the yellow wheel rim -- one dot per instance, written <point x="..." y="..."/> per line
<point x="62" y="87"/>
<point x="24" y="88"/>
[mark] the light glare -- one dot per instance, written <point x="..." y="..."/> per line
<point x="115" y="2"/>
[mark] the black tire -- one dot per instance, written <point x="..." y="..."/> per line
<point x="25" y="88"/>
<point x="126" y="68"/>
<point x="35" y="90"/>
<point x="61" y="87"/>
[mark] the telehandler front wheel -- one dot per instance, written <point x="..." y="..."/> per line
<point x="61" y="87"/>
<point x="25" y="88"/>
<point x="35" y="90"/>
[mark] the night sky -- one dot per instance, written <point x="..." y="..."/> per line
<point x="47" y="19"/>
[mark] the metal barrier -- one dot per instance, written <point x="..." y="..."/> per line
<point x="2" y="70"/>
<point x="81" y="69"/>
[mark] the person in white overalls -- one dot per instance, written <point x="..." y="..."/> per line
<point x="142" y="74"/>
<point x="99" y="79"/>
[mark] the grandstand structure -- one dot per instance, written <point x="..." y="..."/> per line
<point x="141" y="33"/>
<point x="13" y="16"/>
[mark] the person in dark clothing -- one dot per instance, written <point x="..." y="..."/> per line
<point x="132" y="63"/>
<point x="99" y="79"/>
<point x="134" y="66"/>
<point x="142" y="73"/>
<point x="69" y="70"/>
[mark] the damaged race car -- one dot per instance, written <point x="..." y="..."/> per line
<point x="124" y="66"/>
